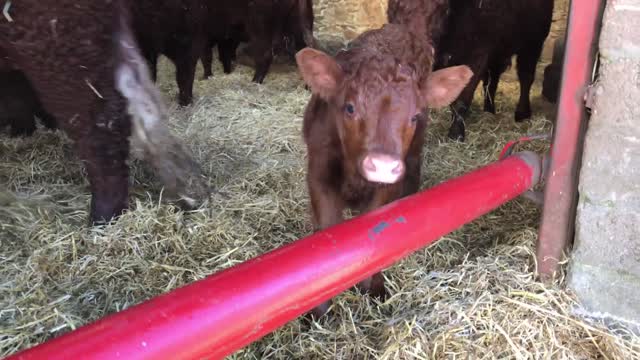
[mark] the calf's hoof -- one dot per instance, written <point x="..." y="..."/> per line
<point x="374" y="287"/>
<point x="457" y="132"/>
<point x="490" y="108"/>
<point x="318" y="312"/>
<point x="521" y="116"/>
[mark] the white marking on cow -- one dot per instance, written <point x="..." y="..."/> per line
<point x="5" y="11"/>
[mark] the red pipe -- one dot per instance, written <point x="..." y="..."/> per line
<point x="216" y="316"/>
<point x="558" y="218"/>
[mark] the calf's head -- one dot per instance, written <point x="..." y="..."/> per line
<point x="376" y="104"/>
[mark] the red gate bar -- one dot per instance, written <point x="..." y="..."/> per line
<point x="218" y="315"/>
<point x="556" y="229"/>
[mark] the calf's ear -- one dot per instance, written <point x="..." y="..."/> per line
<point x="443" y="86"/>
<point x="320" y="71"/>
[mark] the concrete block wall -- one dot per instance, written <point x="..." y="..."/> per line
<point x="605" y="266"/>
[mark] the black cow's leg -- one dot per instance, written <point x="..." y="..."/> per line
<point x="527" y="61"/>
<point x="22" y="124"/>
<point x="491" y="84"/>
<point x="207" y="60"/>
<point x="105" y="152"/>
<point x="186" y="70"/>
<point x="263" y="56"/>
<point x="460" y="109"/>
<point x="226" y="54"/>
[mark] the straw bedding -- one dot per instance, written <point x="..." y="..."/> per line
<point x="472" y="295"/>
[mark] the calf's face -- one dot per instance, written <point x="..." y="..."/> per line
<point x="376" y="106"/>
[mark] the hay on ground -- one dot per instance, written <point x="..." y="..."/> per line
<point x="472" y="295"/>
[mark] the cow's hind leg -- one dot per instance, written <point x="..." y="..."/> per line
<point x="527" y="61"/>
<point x="207" y="60"/>
<point x="226" y="54"/>
<point x="492" y="79"/>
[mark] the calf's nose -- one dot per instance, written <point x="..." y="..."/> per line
<point x="382" y="168"/>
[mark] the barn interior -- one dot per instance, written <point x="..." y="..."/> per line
<point x="472" y="294"/>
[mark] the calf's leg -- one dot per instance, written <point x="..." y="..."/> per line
<point x="413" y="161"/>
<point x="326" y="210"/>
<point x="374" y="285"/>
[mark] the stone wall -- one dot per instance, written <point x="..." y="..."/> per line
<point x="605" y="265"/>
<point x="338" y="21"/>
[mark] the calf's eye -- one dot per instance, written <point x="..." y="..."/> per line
<point x="349" y="109"/>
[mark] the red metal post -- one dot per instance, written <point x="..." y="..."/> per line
<point x="216" y="316"/>
<point x="558" y="218"/>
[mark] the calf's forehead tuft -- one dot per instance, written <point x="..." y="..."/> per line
<point x="374" y="75"/>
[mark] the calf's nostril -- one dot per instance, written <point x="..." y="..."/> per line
<point x="368" y="164"/>
<point x="397" y="169"/>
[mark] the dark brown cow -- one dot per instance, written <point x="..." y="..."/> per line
<point x="83" y="61"/>
<point x="268" y="25"/>
<point x="364" y="123"/>
<point x="485" y="34"/>
<point x="19" y="104"/>
<point x="422" y="17"/>
<point x="176" y="29"/>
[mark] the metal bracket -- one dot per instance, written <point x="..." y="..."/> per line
<point x="536" y="196"/>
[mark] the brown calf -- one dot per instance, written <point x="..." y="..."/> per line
<point x="364" y="123"/>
